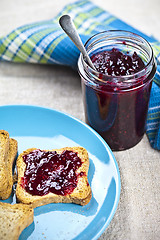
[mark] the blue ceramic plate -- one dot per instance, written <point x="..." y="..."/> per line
<point x="44" y="128"/>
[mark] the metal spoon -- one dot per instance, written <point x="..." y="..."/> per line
<point x="68" y="26"/>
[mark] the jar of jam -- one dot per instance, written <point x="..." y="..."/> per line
<point x="116" y="94"/>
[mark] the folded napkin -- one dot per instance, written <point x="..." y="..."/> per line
<point x="45" y="42"/>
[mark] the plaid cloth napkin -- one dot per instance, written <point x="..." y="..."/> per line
<point x="45" y="42"/>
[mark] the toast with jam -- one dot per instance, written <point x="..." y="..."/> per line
<point x="53" y="176"/>
<point x="8" y="152"/>
<point x="13" y="219"/>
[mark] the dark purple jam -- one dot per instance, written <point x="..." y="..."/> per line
<point x="51" y="172"/>
<point x="117" y="111"/>
<point x="115" y="63"/>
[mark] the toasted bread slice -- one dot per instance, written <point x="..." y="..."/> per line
<point x="14" y="219"/>
<point x="4" y="150"/>
<point x="80" y="195"/>
<point x="6" y="191"/>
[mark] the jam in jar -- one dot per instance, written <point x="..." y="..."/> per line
<point x="116" y="95"/>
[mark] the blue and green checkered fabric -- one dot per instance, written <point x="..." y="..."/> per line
<point x="45" y="42"/>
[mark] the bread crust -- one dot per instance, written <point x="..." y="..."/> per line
<point x="14" y="219"/>
<point x="12" y="153"/>
<point x="81" y="194"/>
<point x="4" y="150"/>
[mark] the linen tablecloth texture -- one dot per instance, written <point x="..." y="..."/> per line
<point x="45" y="42"/>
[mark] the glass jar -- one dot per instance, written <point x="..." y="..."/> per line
<point x="116" y="106"/>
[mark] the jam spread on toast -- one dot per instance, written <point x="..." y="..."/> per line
<point x="49" y="171"/>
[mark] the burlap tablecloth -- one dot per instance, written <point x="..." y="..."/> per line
<point x="138" y="213"/>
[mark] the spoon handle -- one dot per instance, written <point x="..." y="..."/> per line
<point x="69" y="28"/>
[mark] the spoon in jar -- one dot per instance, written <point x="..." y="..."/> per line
<point x="69" y="28"/>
